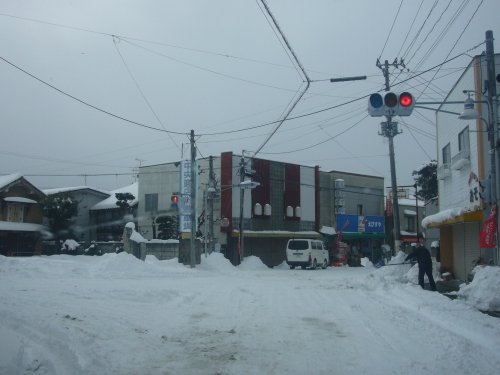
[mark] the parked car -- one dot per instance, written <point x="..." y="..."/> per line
<point x="306" y="253"/>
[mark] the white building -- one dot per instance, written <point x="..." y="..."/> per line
<point x="464" y="159"/>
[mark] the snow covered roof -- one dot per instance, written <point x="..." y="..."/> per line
<point x="8" y="179"/>
<point x="21" y="227"/>
<point x="410" y="202"/>
<point x="110" y="202"/>
<point x="19" y="200"/>
<point x="410" y="212"/>
<point x="74" y="188"/>
<point x="327" y="230"/>
<point x="451" y="215"/>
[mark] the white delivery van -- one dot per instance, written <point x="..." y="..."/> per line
<point x="306" y="253"/>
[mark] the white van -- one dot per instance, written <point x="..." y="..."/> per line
<point x="306" y="253"/>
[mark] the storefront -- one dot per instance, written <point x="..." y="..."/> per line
<point x="364" y="234"/>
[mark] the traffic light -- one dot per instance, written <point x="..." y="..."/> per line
<point x="174" y="201"/>
<point x="376" y="105"/>
<point x="406" y="104"/>
<point x="391" y="104"/>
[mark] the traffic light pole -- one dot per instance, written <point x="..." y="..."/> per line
<point x="389" y="130"/>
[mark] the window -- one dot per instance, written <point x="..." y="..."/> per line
<point x="151" y="202"/>
<point x="298" y="245"/>
<point x="360" y="210"/>
<point x="410" y="221"/>
<point x="447" y="155"/>
<point x="463" y="139"/>
<point x="15" y="213"/>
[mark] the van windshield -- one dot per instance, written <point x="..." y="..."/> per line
<point x="298" y="245"/>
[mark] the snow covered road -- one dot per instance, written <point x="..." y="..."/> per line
<point x="117" y="315"/>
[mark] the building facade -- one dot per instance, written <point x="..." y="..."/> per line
<point x="81" y="227"/>
<point x="21" y="217"/>
<point x="286" y="201"/>
<point x="464" y="165"/>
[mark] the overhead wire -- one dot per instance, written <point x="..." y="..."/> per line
<point x="443" y="32"/>
<point x="317" y="144"/>
<point x="85" y="102"/>
<point x="115" y="38"/>
<point x="143" y="40"/>
<point x="410" y="46"/>
<point x="460" y="36"/>
<point x="410" y="28"/>
<point x="297" y="61"/>
<point x="408" y="60"/>
<point x="392" y="27"/>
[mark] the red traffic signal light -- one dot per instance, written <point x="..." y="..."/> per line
<point x="174" y="200"/>
<point x="406" y="104"/>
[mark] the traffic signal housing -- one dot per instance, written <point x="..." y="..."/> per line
<point x="174" y="201"/>
<point x="390" y="104"/>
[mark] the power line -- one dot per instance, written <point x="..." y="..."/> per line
<point x="460" y="36"/>
<point x="128" y="38"/>
<point x="86" y="103"/>
<point x="140" y="90"/>
<point x="236" y="130"/>
<point x="392" y="26"/>
<point x="308" y="81"/>
<point x="319" y="143"/>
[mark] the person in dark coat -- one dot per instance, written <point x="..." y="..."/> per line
<point x="423" y="256"/>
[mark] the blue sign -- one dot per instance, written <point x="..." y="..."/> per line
<point x="360" y="224"/>
<point x="374" y="224"/>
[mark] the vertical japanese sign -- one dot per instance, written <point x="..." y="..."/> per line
<point x="474" y="189"/>
<point x="185" y="204"/>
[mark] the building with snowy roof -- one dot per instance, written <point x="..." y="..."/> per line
<point x="21" y="216"/>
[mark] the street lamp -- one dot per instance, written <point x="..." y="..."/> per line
<point x="469" y="112"/>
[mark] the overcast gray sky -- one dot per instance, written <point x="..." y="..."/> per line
<point x="218" y="67"/>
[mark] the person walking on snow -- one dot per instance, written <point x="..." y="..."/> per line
<point x="423" y="256"/>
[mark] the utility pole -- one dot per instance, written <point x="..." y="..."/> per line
<point x="192" y="251"/>
<point x="211" y="192"/>
<point x="389" y="129"/>
<point x="493" y="125"/>
<point x="241" y="242"/>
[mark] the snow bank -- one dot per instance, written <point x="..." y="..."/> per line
<point x="484" y="290"/>
<point x="252" y="263"/>
<point x="216" y="262"/>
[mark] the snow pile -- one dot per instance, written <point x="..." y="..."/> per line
<point x="400" y="271"/>
<point x="69" y="245"/>
<point x="484" y="290"/>
<point x="365" y="262"/>
<point x="252" y="263"/>
<point x="216" y="262"/>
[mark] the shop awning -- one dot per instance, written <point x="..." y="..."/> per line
<point x="361" y="236"/>
<point x="276" y="234"/>
<point x="452" y="216"/>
